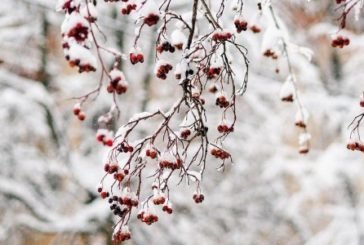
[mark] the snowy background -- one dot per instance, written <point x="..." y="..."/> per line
<point x="51" y="164"/>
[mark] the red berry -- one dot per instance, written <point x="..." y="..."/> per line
<point x="104" y="194"/>
<point x="153" y="154"/>
<point x="81" y="116"/>
<point x="109" y="142"/>
<point x="100" y="137"/>
<point x="76" y="111"/>
<point x="133" y="58"/>
<point x="140" y="58"/>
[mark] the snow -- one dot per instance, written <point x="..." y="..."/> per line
<point x="304" y="138"/>
<point x="140" y="116"/>
<point x="302" y="116"/>
<point x="51" y="163"/>
<point x="178" y="37"/>
<point x="79" y="52"/>
<point x="271" y="39"/>
<point x="116" y="74"/>
<point x="89" y="11"/>
<point x="287" y="89"/>
<point x="71" y="21"/>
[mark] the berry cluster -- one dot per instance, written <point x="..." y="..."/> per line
<point x="147" y="217"/>
<point x="340" y="42"/>
<point x="128" y="9"/>
<point x="81" y="67"/>
<point x="125" y="147"/>
<point x="212" y="72"/>
<point x="355" y="145"/>
<point x="221" y="36"/>
<point x="287" y="98"/>
<point x="240" y="25"/>
<point x="205" y="60"/>
<point x="68" y="6"/>
<point x="128" y="198"/>
<point x="122" y="235"/>
<point x="177" y="164"/>
<point x="167" y="207"/>
<point x="117" y="83"/>
<point x="185" y="133"/>
<point x="78" y="31"/>
<point x="224" y="128"/>
<point x="221" y="101"/>
<point x="111" y="168"/>
<point x="219" y="153"/>
<point x="75" y="33"/>
<point x="270" y="54"/>
<point x="151" y="19"/>
<point x="198" y="197"/>
<point x="166" y="47"/>
<point x="78" y="55"/>
<point x="78" y="112"/>
<point x="163" y="70"/>
<point x="152" y="153"/>
<point x="136" y="57"/>
<point x="104" y="136"/>
<point x="116" y="208"/>
<point x="158" y="197"/>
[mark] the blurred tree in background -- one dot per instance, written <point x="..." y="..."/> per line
<point x="51" y="163"/>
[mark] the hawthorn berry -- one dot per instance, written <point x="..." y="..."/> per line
<point x="221" y="36"/>
<point x="136" y="58"/>
<point x="151" y="19"/>
<point x="81" y="116"/>
<point x="240" y="25"/>
<point x="255" y="29"/>
<point x="198" y="198"/>
<point x="340" y="42"/>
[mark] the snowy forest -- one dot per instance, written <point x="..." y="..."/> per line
<point x="234" y="122"/>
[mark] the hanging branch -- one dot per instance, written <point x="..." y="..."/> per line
<point x="174" y="149"/>
<point x="301" y="116"/>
